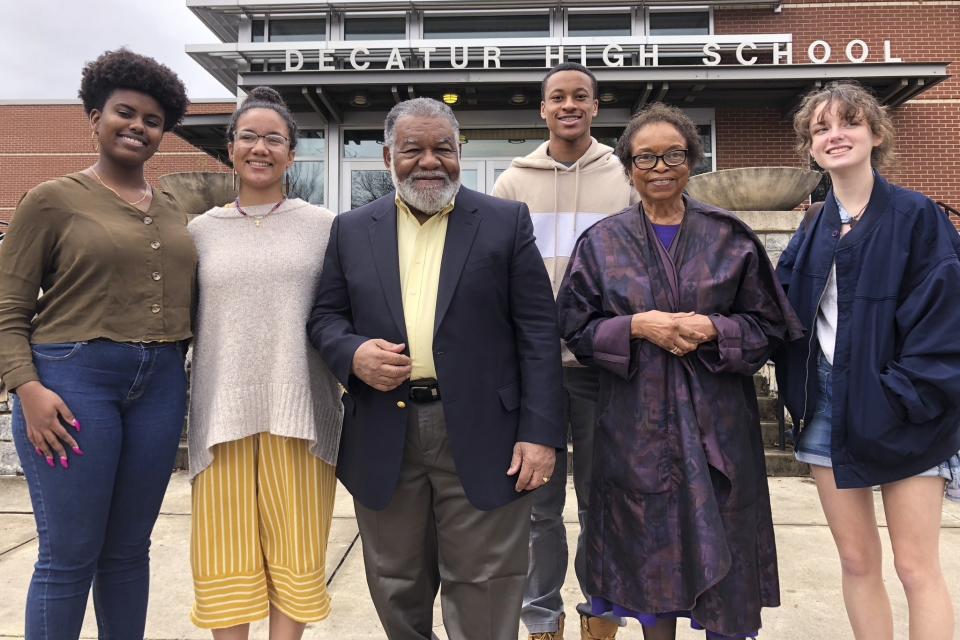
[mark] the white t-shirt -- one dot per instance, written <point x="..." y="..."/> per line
<point x="827" y="313"/>
<point x="827" y="317"/>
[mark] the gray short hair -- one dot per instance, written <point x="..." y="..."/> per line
<point x="417" y="107"/>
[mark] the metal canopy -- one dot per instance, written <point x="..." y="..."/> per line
<point x="333" y="95"/>
<point x="688" y="86"/>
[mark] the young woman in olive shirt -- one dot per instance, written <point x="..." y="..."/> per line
<point x="96" y="361"/>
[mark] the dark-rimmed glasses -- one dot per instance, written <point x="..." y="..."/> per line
<point x="671" y="158"/>
<point x="247" y="138"/>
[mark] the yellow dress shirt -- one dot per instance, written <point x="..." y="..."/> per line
<point x="421" y="252"/>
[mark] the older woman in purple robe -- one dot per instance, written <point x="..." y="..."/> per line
<point x="676" y="303"/>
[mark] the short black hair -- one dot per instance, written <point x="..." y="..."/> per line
<point x="124" y="69"/>
<point x="659" y="112"/>
<point x="570" y="66"/>
<point x="265" y="98"/>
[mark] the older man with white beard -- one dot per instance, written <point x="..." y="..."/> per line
<point x="436" y="313"/>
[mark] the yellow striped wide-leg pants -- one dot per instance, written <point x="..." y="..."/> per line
<point x="261" y="519"/>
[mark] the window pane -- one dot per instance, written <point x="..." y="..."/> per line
<point x="707" y="141"/>
<point x="379" y="28"/>
<point x="311" y="145"/>
<point x="257" y="30"/>
<point x="468" y="178"/>
<point x="301" y="29"/>
<point x="363" y="144"/>
<point x="603" y="24"/>
<point x="367" y="185"/>
<point x="305" y="179"/>
<point x="487" y="26"/>
<point x="679" y="23"/>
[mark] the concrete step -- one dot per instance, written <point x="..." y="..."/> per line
<point x="182" y="460"/>
<point x="770" y="432"/>
<point x="761" y="384"/>
<point x="768" y="407"/>
<point x="782" y="464"/>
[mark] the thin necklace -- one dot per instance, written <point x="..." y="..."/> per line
<point x="146" y="189"/>
<point x="257" y="219"/>
<point x="851" y="220"/>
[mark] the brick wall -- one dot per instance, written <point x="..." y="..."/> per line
<point x="928" y="127"/>
<point x="42" y="141"/>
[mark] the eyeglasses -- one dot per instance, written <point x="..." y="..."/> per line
<point x="670" y="158"/>
<point x="250" y="139"/>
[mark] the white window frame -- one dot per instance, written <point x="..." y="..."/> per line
<point x="700" y="8"/>
<point x="268" y="19"/>
<point x="623" y="10"/>
<point x="466" y="13"/>
<point x="342" y="23"/>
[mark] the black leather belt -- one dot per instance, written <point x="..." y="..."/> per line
<point x="424" y="390"/>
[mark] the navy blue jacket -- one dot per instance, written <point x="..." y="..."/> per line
<point x="496" y="344"/>
<point x="896" y="368"/>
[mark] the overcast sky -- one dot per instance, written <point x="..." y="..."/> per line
<point x="45" y="43"/>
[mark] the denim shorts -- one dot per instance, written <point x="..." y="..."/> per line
<point x="813" y="446"/>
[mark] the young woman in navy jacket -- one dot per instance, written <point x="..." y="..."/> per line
<point x="874" y="387"/>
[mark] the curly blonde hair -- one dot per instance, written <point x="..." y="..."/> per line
<point x="855" y="104"/>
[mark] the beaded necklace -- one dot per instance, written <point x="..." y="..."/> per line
<point x="257" y="219"/>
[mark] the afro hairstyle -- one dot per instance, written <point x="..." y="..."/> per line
<point x="124" y="69"/>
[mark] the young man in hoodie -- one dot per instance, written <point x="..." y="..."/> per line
<point x="569" y="182"/>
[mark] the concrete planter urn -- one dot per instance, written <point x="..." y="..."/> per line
<point x="198" y="191"/>
<point x="754" y="188"/>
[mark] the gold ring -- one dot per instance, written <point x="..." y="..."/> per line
<point x="675" y="351"/>
<point x="546" y="479"/>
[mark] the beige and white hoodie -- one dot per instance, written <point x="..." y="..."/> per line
<point x="564" y="201"/>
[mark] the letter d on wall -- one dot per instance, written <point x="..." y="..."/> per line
<point x="291" y="53"/>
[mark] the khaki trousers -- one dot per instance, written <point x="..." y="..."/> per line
<point x="430" y="537"/>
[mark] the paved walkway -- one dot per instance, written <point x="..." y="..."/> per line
<point x="809" y="571"/>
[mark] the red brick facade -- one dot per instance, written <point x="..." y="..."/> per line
<point x="928" y="127"/>
<point x="42" y="141"/>
<point x="38" y="142"/>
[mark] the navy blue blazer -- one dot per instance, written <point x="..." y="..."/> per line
<point x="496" y="344"/>
<point x="896" y="367"/>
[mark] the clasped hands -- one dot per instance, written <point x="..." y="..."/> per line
<point x="678" y="333"/>
<point x="382" y="365"/>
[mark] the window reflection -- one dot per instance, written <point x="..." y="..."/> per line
<point x="367" y="185"/>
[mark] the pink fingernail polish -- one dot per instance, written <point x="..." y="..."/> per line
<point x="64" y="462"/>
<point x="50" y="462"/>
<point x="76" y="424"/>
<point x="78" y="451"/>
<point x="39" y="451"/>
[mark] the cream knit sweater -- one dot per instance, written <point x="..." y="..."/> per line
<point x="254" y="369"/>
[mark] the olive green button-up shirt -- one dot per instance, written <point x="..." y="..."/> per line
<point x="102" y="269"/>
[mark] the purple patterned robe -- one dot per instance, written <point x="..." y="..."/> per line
<point x="680" y="510"/>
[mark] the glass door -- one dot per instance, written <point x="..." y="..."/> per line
<point x="363" y="181"/>
<point x="494" y="168"/>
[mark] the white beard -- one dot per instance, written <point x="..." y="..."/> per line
<point x="425" y="200"/>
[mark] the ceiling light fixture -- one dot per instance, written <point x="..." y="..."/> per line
<point x="608" y="97"/>
<point x="519" y="98"/>
<point x="451" y="98"/>
<point x="360" y="99"/>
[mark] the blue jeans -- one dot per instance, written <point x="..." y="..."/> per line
<point x="94" y="519"/>
<point x="542" y="604"/>
<point x="814" y="444"/>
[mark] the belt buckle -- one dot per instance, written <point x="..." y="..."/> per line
<point x="426" y="391"/>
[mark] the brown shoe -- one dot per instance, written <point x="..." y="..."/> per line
<point x="592" y="628"/>
<point x="550" y="635"/>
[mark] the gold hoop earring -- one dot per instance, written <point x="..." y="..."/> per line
<point x="96" y="140"/>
